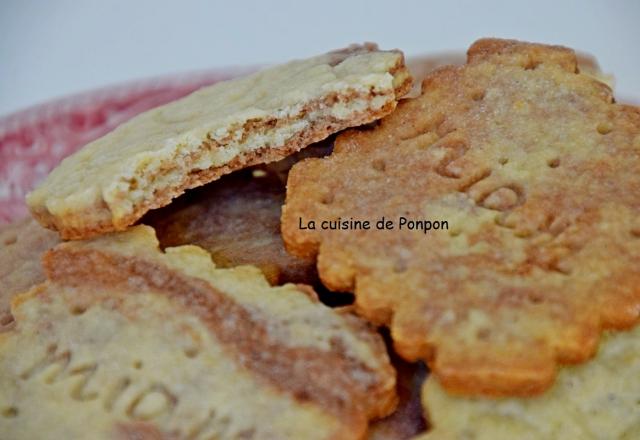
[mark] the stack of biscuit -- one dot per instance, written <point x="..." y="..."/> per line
<point x="126" y="314"/>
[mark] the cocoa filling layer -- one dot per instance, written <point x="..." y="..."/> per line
<point x="331" y="379"/>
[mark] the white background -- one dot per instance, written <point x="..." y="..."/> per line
<point x="52" y="48"/>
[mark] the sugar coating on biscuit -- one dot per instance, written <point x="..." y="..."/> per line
<point x="262" y="117"/>
<point x="125" y="341"/>
<point x="537" y="173"/>
<point x="596" y="400"/>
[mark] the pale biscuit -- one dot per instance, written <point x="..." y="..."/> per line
<point x="536" y="172"/>
<point x="597" y="400"/>
<point x="125" y="341"/>
<point x="262" y="117"/>
<point x="22" y="244"/>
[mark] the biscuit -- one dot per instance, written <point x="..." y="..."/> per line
<point x="262" y="117"/>
<point x="535" y="171"/>
<point x="595" y="400"/>
<point x="421" y="66"/>
<point x="123" y="339"/>
<point x="22" y="244"/>
<point x="237" y="219"/>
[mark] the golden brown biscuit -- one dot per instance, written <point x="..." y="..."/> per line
<point x="533" y="175"/>
<point x="237" y="219"/>
<point x="124" y="341"/>
<point x="421" y="66"/>
<point x="595" y="400"/>
<point x="151" y="159"/>
<point x="22" y="244"/>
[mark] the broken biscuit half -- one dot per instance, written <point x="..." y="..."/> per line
<point x="151" y="159"/>
<point x="126" y="341"/>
